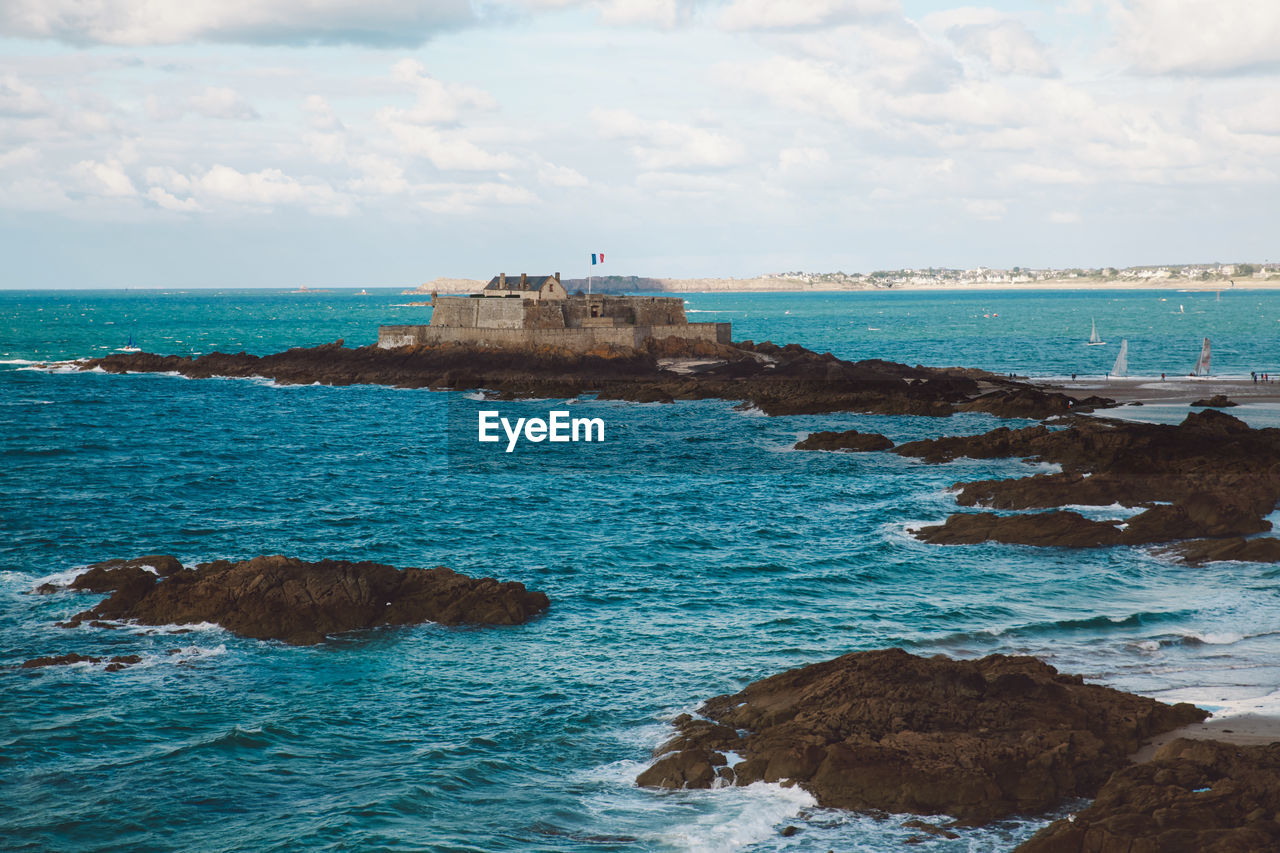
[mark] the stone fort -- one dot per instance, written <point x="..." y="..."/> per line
<point x="539" y="311"/>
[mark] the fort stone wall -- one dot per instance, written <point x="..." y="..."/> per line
<point x="574" y="339"/>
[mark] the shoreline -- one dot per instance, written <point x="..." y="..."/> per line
<point x="1173" y="390"/>
<point x="763" y="285"/>
<point x="1238" y="729"/>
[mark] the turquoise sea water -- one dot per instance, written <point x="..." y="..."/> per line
<point x="734" y="558"/>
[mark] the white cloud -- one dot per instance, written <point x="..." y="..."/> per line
<point x="437" y="102"/>
<point x="447" y="150"/>
<point x="379" y="176"/>
<point x="1006" y="46"/>
<point x="1064" y="217"/>
<point x="25" y="155"/>
<point x="683" y="184"/>
<point x="20" y="99"/>
<point x="463" y="198"/>
<point x="221" y="185"/>
<point x="320" y="116"/>
<point x="168" y="201"/>
<point x="659" y="13"/>
<point x="560" y="176"/>
<point x="807" y="86"/>
<point x="664" y="145"/>
<point x="988" y="209"/>
<point x="222" y="102"/>
<point x="216" y="102"/>
<point x="108" y="179"/>
<point x="148" y="22"/>
<point x="792" y="159"/>
<point x="799" y="14"/>
<point x="1197" y="36"/>
<point x="1035" y="173"/>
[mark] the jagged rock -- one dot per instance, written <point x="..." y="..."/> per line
<point x="849" y="440"/>
<point x="930" y="828"/>
<point x="1060" y="529"/>
<point x="1194" y="796"/>
<point x="1210" y="476"/>
<point x="1218" y="401"/>
<point x="886" y="730"/>
<point x="1029" y="402"/>
<point x="1197" y="552"/>
<point x="299" y="602"/>
<point x="1198" y="514"/>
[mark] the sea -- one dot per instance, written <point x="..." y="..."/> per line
<point x="680" y="567"/>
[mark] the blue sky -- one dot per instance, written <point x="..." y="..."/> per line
<point x="326" y="142"/>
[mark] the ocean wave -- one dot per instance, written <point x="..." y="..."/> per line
<point x="1090" y="624"/>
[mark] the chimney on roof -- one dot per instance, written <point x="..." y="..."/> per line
<point x="557" y="278"/>
<point x="502" y="281"/>
<point x="524" y="281"/>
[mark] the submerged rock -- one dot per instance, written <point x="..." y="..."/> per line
<point x="114" y="664"/>
<point x="849" y="440"/>
<point x="1194" y="796"/>
<point x="886" y="730"/>
<point x="280" y="598"/>
<point x="1197" y="552"/>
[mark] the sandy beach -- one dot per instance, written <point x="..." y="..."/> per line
<point x="1242" y="730"/>
<point x="1181" y="389"/>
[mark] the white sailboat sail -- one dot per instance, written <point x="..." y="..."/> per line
<point x="1094" y="340"/>
<point x="1202" y="363"/>
<point x="1121" y="367"/>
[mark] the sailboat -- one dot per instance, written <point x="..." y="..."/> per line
<point x="1121" y="367"/>
<point x="1094" y="340"/>
<point x="130" y="347"/>
<point x="1202" y="363"/>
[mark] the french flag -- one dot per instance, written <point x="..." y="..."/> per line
<point x="597" y="259"/>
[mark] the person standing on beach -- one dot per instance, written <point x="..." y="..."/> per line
<point x="1254" y="374"/>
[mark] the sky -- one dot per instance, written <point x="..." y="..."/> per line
<point x="278" y="143"/>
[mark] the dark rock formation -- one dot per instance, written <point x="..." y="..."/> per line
<point x="280" y="598"/>
<point x="849" y="440"/>
<point x="1194" y="796"/>
<point x="1217" y="401"/>
<point x="1210" y="476"/>
<point x="1197" y="552"/>
<point x="1028" y="402"/>
<point x="114" y="664"/>
<point x="1061" y="529"/>
<point x="779" y="380"/>
<point x="976" y="739"/>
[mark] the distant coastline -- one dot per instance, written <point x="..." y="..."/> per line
<point x="1192" y="277"/>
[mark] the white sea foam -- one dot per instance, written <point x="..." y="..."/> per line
<point x="194" y="627"/>
<point x="1215" y="638"/>
<point x="742" y="817"/>
<point x="19" y="361"/>
<point x="62" y="578"/>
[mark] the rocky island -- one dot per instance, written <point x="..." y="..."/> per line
<point x="779" y="380"/>
<point x="886" y="730"/>
<point x="299" y="602"/>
